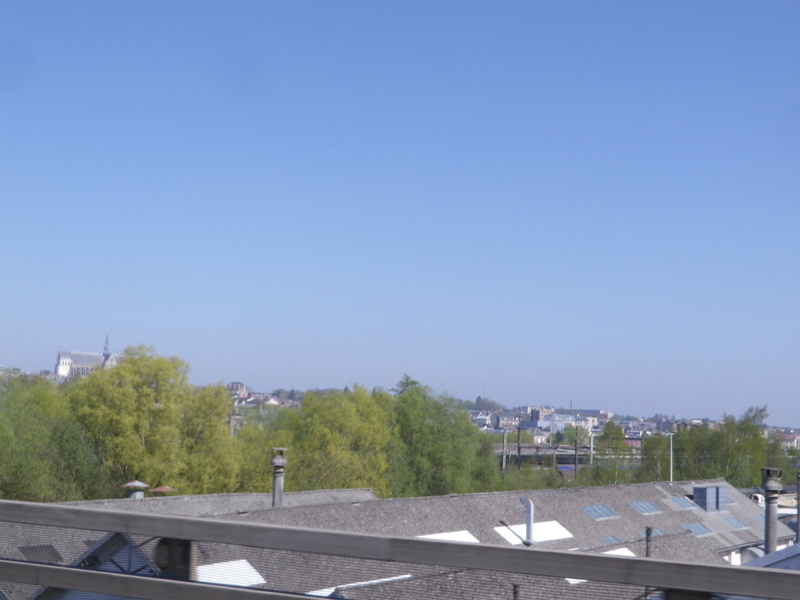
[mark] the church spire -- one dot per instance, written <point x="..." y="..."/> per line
<point x="106" y="353"/>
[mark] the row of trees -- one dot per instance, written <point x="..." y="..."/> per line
<point x="143" y="420"/>
<point x="734" y="449"/>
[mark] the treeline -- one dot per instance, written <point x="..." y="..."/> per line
<point x="734" y="449"/>
<point x="144" y="420"/>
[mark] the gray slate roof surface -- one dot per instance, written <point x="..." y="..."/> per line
<point x="84" y="358"/>
<point x="480" y="514"/>
<point x="212" y="505"/>
<point x="488" y="585"/>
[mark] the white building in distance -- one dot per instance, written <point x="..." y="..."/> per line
<point x="80" y="364"/>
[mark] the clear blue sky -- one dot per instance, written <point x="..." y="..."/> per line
<point x="540" y="202"/>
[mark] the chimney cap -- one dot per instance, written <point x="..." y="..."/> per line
<point x="278" y="457"/>
<point x="772" y="479"/>
<point x="135" y="484"/>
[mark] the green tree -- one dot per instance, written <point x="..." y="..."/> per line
<point x="147" y="422"/>
<point x="45" y="452"/>
<point x="211" y="452"/>
<point x="439" y="450"/>
<point x="268" y="428"/>
<point x="612" y="456"/>
<point x="735" y="449"/>
<point x="571" y="434"/>
<point x="339" y="440"/>
<point x="654" y="465"/>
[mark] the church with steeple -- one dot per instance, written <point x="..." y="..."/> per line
<point x="79" y="364"/>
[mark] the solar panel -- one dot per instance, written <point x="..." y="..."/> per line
<point x="611" y="539"/>
<point x="645" y="507"/>
<point x="599" y="512"/>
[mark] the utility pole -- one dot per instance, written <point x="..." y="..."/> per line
<point x="797" y="522"/>
<point x="670" y="455"/>
<point x="576" y="452"/>
<point x="503" y="460"/>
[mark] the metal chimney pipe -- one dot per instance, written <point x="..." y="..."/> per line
<point x="772" y="486"/>
<point x="528" y="521"/>
<point x="278" y="469"/>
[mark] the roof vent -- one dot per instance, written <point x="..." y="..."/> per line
<point x="135" y="489"/>
<point x="528" y="521"/>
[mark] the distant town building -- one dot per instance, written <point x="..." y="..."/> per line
<point x="238" y="390"/>
<point x="79" y="364"/>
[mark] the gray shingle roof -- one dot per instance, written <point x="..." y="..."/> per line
<point x="488" y="518"/>
<point x="486" y="515"/>
<point x="217" y="505"/>
<point x="482" y="515"/>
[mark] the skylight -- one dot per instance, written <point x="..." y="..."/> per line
<point x="599" y="512"/>
<point x="611" y="539"/>
<point x="683" y="502"/>
<point x="697" y="529"/>
<point x="736" y="523"/>
<point x="645" y="507"/>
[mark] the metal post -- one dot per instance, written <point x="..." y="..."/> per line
<point x="528" y="521"/>
<point x="648" y="534"/>
<point x="670" y="456"/>
<point x="797" y="521"/>
<point x="278" y="469"/>
<point x="576" y="452"/>
<point x="503" y="460"/>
